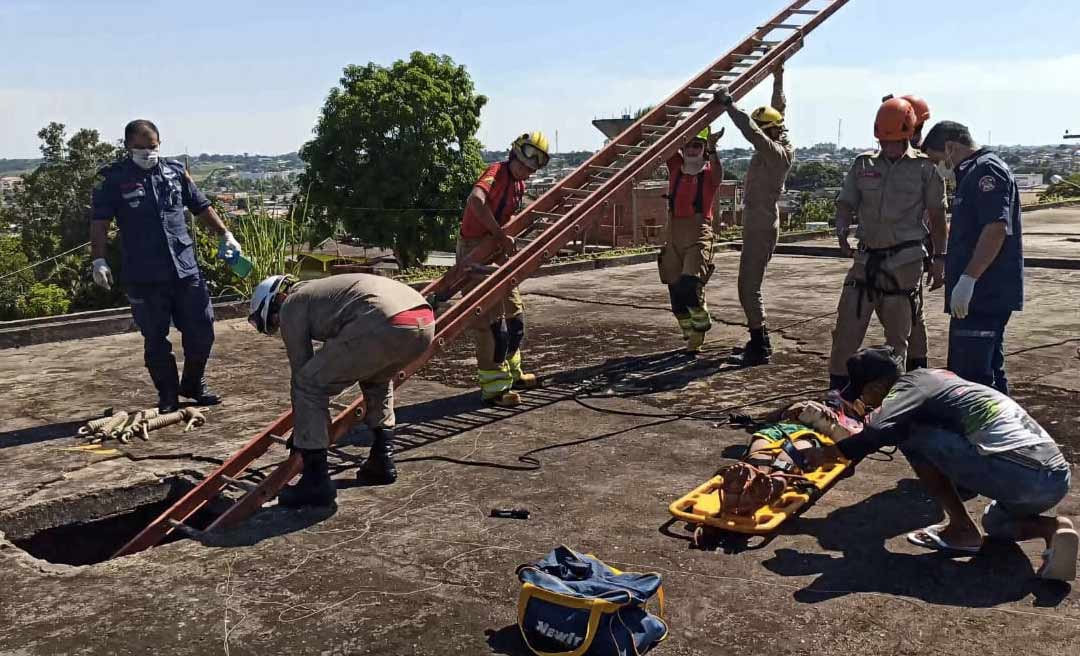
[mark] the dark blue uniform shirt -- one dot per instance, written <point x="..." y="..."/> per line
<point x="149" y="209"/>
<point x="986" y="193"/>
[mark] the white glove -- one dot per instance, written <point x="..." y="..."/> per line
<point x="961" y="296"/>
<point x="102" y="273"/>
<point x="228" y="247"/>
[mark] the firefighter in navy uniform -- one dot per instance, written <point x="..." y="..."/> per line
<point x="984" y="267"/>
<point x="147" y="196"/>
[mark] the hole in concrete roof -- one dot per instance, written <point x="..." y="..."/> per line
<point x="85" y="531"/>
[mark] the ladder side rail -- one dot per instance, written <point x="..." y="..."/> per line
<point x="202" y="493"/>
<point x="284" y="472"/>
<point x="517" y="268"/>
<point x="488" y="292"/>
<point x="632" y="136"/>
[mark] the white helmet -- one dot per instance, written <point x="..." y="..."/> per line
<point x="261" y="300"/>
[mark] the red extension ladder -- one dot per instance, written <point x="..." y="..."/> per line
<point x="556" y="218"/>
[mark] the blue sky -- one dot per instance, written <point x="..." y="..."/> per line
<point x="245" y="76"/>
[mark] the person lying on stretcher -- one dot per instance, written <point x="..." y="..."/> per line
<point x="786" y="449"/>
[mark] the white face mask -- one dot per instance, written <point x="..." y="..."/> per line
<point x="693" y="165"/>
<point x="947" y="173"/>
<point x="145" y="158"/>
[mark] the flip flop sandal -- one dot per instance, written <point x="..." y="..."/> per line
<point x="1059" y="561"/>
<point x="928" y="538"/>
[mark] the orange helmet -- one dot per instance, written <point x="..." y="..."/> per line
<point x="921" y="107"/>
<point x="895" y="121"/>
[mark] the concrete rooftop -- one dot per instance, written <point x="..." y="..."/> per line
<point x="419" y="568"/>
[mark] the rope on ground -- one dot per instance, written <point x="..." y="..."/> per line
<point x="1043" y="346"/>
<point x="122" y="426"/>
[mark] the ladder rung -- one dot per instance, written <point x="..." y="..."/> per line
<point x="724" y="72"/>
<point x="279" y="440"/>
<point x="239" y="484"/>
<point x="577" y="191"/>
<point x="603" y="168"/>
<point x="700" y="90"/>
<point x="805" y="12"/>
<point x="781" y="26"/>
<point x="173" y="523"/>
<point x="747" y="56"/>
<point x="551" y="214"/>
<point x="665" y="128"/>
<point x="628" y="148"/>
<point x="679" y="108"/>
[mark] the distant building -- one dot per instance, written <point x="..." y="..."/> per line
<point x="1028" y="180"/>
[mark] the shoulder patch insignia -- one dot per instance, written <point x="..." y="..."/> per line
<point x="488" y="179"/>
<point x="987" y="183"/>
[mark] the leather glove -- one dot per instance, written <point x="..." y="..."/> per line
<point x="103" y="276"/>
<point x="961" y="296"/>
<point x="723" y="96"/>
<point x="228" y="247"/>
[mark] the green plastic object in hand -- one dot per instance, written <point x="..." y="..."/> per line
<point x="240" y="265"/>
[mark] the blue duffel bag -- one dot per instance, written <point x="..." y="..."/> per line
<point x="572" y="604"/>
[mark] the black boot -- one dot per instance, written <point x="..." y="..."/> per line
<point x="163" y="373"/>
<point x="757" y="351"/>
<point x="379" y="467"/>
<point x="917" y="363"/>
<point x="193" y="383"/>
<point x="315" y="487"/>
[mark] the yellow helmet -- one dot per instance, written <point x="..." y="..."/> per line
<point x="532" y="150"/>
<point x="767" y="117"/>
<point x="704" y="134"/>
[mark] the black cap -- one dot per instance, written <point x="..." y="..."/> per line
<point x="868" y="365"/>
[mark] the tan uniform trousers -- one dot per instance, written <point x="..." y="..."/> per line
<point x="757" y="250"/>
<point x="480" y="329"/>
<point x="688" y="250"/>
<point x="858" y="302"/>
<point x="368" y="351"/>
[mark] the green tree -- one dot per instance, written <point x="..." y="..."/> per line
<point x="52" y="205"/>
<point x="812" y="176"/>
<point x="400" y="139"/>
<point x="814" y="210"/>
<point x="43" y="301"/>
<point x="51" y="212"/>
<point x="15" y="278"/>
<point x="1069" y="188"/>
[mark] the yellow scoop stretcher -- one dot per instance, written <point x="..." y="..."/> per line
<point x="704" y="505"/>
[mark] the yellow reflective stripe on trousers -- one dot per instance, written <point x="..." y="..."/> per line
<point x="700" y="319"/>
<point x="494" y="382"/>
<point x="514" y="363"/>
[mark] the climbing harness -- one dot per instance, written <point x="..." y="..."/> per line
<point x="874" y="267"/>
